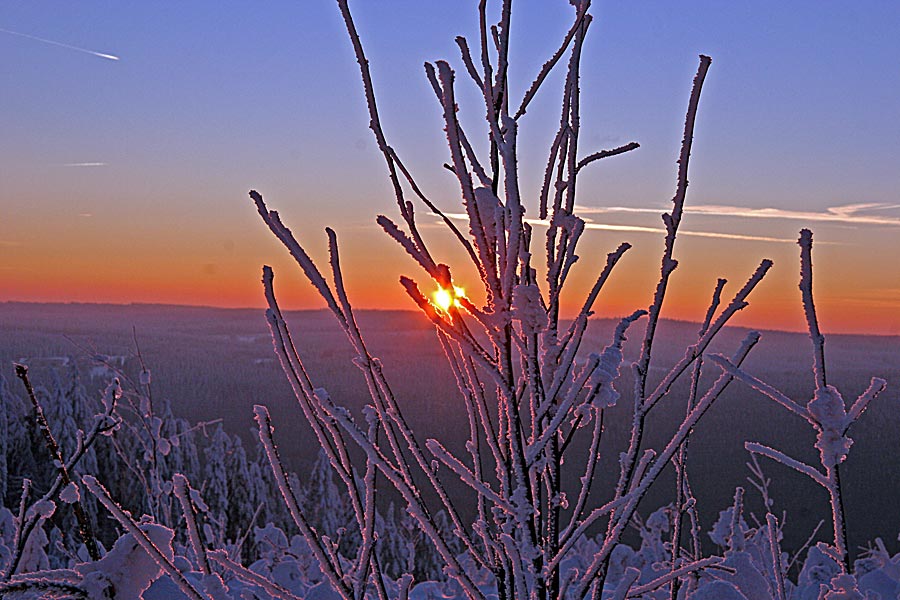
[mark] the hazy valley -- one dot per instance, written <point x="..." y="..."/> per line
<point x="213" y="363"/>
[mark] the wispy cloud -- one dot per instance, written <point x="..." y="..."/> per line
<point x="639" y="229"/>
<point x="705" y="234"/>
<point x="9" y="243"/>
<point x="871" y="213"/>
<point x="86" y="164"/>
<point x="60" y="44"/>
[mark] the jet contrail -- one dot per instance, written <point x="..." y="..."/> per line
<point x="85" y="164"/>
<point x="60" y="44"/>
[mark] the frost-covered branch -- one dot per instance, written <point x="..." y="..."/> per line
<point x="330" y="569"/>
<point x="668" y="265"/>
<point x="759" y="385"/>
<point x="876" y="386"/>
<point x="637" y="592"/>
<point x="682" y="488"/>
<point x="635" y="493"/>
<point x="220" y="557"/>
<point x="775" y="550"/>
<point x="182" y="491"/>
<point x="84" y="526"/>
<point x="124" y="519"/>
<point x="606" y="154"/>
<point x="694" y="352"/>
<point x="809" y="307"/>
<point x="787" y="461"/>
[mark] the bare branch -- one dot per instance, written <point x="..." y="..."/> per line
<point x="606" y="154"/>
<point x="809" y="307"/>
<point x="786" y="460"/>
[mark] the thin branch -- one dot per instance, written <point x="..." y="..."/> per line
<point x="248" y="576"/>
<point x="313" y="540"/>
<point x="809" y="307"/>
<point x="182" y="489"/>
<point x="141" y="538"/>
<point x="668" y="265"/>
<point x="580" y="16"/>
<point x="671" y="575"/>
<point x="775" y="551"/>
<point x="761" y="386"/>
<point x="84" y="526"/>
<point x="876" y="386"/>
<point x="605" y="154"/>
<point x="787" y="461"/>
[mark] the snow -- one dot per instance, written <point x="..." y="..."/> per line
<point x="828" y="409"/>
<point x="127" y="570"/>
<point x="70" y="494"/>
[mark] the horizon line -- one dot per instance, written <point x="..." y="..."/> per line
<point x="403" y="310"/>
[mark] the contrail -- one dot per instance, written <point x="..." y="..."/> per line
<point x="85" y="164"/>
<point x="641" y="229"/>
<point x="60" y="44"/>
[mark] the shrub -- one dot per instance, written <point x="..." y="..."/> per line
<point x="527" y="396"/>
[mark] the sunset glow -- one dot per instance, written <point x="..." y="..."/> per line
<point x="445" y="298"/>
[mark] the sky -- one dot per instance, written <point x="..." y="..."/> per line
<point x="131" y="133"/>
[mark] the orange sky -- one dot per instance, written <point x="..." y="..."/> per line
<point x="223" y="268"/>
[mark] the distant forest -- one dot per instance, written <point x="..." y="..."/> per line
<point x="216" y="363"/>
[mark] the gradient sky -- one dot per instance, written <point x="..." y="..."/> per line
<point x="125" y="180"/>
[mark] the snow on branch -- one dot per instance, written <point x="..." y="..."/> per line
<point x="759" y="386"/>
<point x="161" y="558"/>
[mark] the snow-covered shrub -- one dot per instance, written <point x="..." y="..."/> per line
<point x="539" y="531"/>
<point x="514" y="361"/>
<point x="526" y="394"/>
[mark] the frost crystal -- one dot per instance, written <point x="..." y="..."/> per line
<point x="843" y="587"/>
<point x="604" y="375"/>
<point x="827" y="408"/>
<point x="527" y="308"/>
<point x="111" y="394"/>
<point x="70" y="494"/>
<point x="126" y="570"/>
<point x="487" y="204"/>
<point x="43" y="509"/>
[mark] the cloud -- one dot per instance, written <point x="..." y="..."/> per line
<point x="61" y="45"/>
<point x="639" y="229"/>
<point x="85" y="164"/>
<point x="9" y="244"/>
<point x="847" y="214"/>
<point x="706" y="234"/>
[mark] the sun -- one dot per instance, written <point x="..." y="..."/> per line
<point x="445" y="298"/>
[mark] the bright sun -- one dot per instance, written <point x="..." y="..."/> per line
<point x="446" y="298"/>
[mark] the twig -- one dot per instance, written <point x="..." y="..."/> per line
<point x="775" y="551"/>
<point x="141" y="538"/>
<point x="606" y="154"/>
<point x="84" y="526"/>
<point x="248" y="576"/>
<point x="182" y="489"/>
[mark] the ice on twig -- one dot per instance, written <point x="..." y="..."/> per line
<point x="127" y="570"/>
<point x="527" y="308"/>
<point x="827" y="408"/>
<point x="70" y="494"/>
